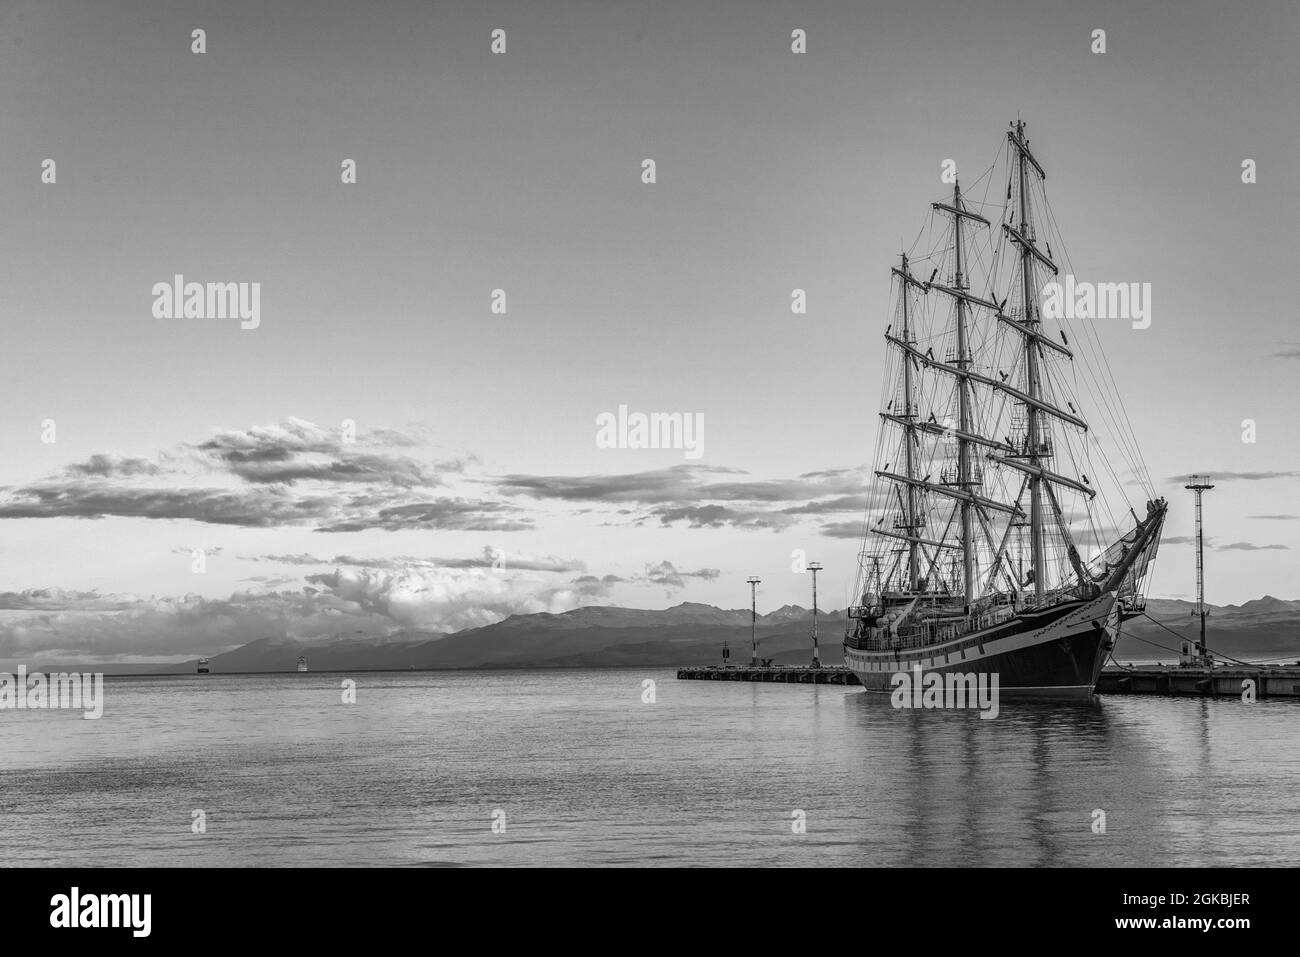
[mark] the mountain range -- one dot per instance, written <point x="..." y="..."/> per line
<point x="693" y="633"/>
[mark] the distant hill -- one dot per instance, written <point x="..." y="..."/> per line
<point x="1266" y="627"/>
<point x="686" y="634"/>
<point x="281" y="654"/>
<point x="693" y="633"/>
<point x="594" y="636"/>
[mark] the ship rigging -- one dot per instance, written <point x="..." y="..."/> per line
<point x="991" y="482"/>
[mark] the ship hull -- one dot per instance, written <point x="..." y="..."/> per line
<point x="1056" y="652"/>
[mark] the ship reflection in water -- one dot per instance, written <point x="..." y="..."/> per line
<point x="1022" y="793"/>
<point x="1070" y="783"/>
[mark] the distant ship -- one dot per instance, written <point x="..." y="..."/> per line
<point x="203" y="666"/>
<point x="983" y="445"/>
<point x="302" y="662"/>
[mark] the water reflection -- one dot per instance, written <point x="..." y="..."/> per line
<point x="1016" y="789"/>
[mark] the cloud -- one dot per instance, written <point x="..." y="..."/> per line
<point x="446" y="514"/>
<point x="666" y="574"/>
<point x="704" y="496"/>
<point x="110" y="465"/>
<point x="295" y="473"/>
<point x="58" y="599"/>
<point x="1277" y="518"/>
<point x="291" y="473"/>
<point x="846" y="503"/>
<point x="663" y="485"/>
<point x="261" y="507"/>
<point x="108" y="627"/>
<point x="718" y="516"/>
<point x="443" y="599"/>
<point x="683" y="483"/>
<point x="349" y="601"/>
<point x="1210" y="542"/>
<point x="491" y="557"/>
<point x="591" y="588"/>
<point x="843" y="529"/>
<point x="296" y="450"/>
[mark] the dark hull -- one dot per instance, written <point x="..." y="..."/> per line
<point x="1056" y="653"/>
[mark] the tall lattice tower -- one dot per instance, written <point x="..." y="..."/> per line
<point x="1200" y="484"/>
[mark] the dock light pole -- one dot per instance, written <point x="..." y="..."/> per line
<point x="1199" y="484"/>
<point x="815" y="567"/>
<point x="753" y="620"/>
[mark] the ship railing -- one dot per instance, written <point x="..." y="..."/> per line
<point x="899" y="644"/>
<point x="923" y="636"/>
<point x="911" y="639"/>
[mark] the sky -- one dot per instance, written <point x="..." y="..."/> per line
<point x="384" y="452"/>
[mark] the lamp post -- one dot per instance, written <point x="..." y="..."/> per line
<point x="815" y="567"/>
<point x="753" y="620"/>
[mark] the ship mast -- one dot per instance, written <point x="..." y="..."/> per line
<point x="961" y="371"/>
<point x="913" y="529"/>
<point x="963" y="413"/>
<point x="1034" y="383"/>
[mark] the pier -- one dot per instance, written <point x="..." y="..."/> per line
<point x="1271" y="681"/>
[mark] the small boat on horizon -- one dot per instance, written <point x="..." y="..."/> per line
<point x="302" y="662"/>
<point x="203" y="668"/>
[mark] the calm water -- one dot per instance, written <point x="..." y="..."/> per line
<point x="587" y="774"/>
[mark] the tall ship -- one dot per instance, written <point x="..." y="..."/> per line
<point x="1000" y="536"/>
